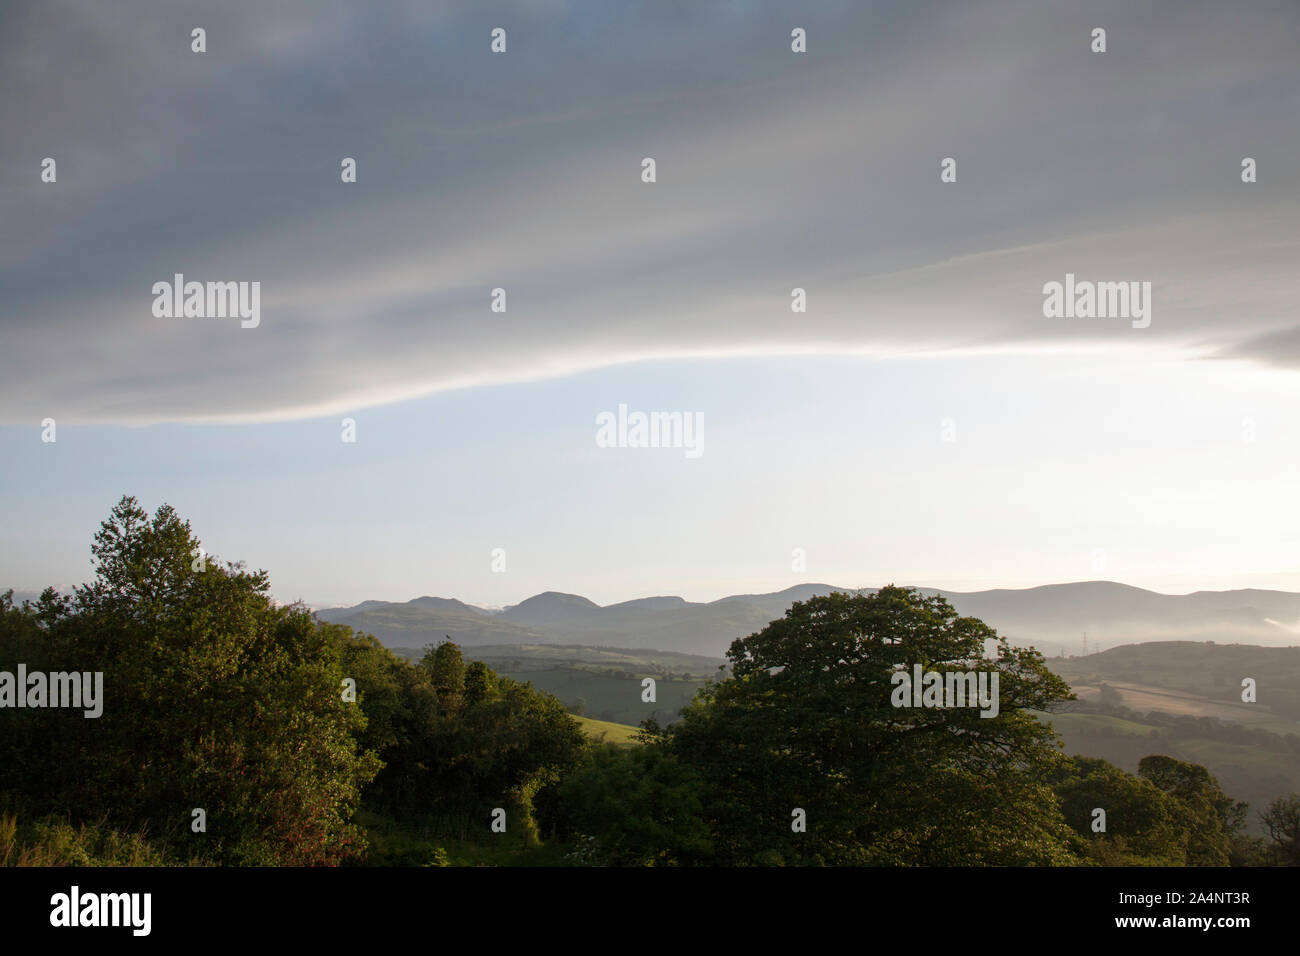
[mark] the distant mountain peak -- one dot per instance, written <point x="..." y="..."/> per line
<point x="1052" y="617"/>
<point x="550" y="607"/>
<point x="663" y="602"/>
<point x="439" y="603"/>
<point x="796" y="592"/>
<point x="558" y="598"/>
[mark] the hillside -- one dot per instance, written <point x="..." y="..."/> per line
<point x="426" y="620"/>
<point x="604" y="682"/>
<point x="606" y="732"/>
<point x="1183" y="699"/>
<point x="1053" y="618"/>
<point x="1197" y="678"/>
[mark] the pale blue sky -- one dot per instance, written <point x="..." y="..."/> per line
<point x="1055" y="455"/>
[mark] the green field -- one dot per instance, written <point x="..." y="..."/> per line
<point x="603" y="683"/>
<point x="606" y="697"/>
<point x="1196" y="678"/>
<point x="619" y="661"/>
<point x="608" y="732"/>
<point x="1083" y="724"/>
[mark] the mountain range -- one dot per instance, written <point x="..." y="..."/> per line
<point x="1054" y="618"/>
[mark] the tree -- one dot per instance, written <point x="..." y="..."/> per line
<point x="1143" y="824"/>
<point x="401" y="720"/>
<point x="504" y="749"/>
<point x="1212" y="818"/>
<point x="1282" y="820"/>
<point x="806" y="721"/>
<point x="480" y="683"/>
<point x="632" y="806"/>
<point x="446" y="667"/>
<point x="215" y="698"/>
<point x="489" y="741"/>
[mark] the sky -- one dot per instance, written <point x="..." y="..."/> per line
<point x="923" y="421"/>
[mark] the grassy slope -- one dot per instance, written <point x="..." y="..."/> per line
<point x="611" y="733"/>
<point x="611" y="698"/>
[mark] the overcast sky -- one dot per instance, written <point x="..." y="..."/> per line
<point x="1171" y="451"/>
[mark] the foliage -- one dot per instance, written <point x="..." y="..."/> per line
<point x="215" y="698"/>
<point x="631" y="806"/>
<point x="1142" y="823"/>
<point x="50" y="841"/>
<point x="1282" y="820"/>
<point x="806" y="722"/>
<point x="461" y="741"/>
<point x="1211" y="818"/>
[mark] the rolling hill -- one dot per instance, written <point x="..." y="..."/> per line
<point x="1053" y="618"/>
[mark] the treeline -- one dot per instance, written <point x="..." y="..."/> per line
<point x="236" y="731"/>
<point x="806" y="728"/>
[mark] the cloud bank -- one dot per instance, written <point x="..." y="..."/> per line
<point x="522" y="171"/>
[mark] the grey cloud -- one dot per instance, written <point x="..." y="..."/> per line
<point x="522" y="171"/>
<point x="1281" y="347"/>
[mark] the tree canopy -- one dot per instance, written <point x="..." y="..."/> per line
<point x="862" y="729"/>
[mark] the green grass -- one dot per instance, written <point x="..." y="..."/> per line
<point x="604" y="681"/>
<point x="616" y="699"/>
<point x="609" y="732"/>
<point x="51" y="841"/>
<point x="1094" y="723"/>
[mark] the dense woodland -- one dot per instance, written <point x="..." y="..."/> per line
<point x="218" y="699"/>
